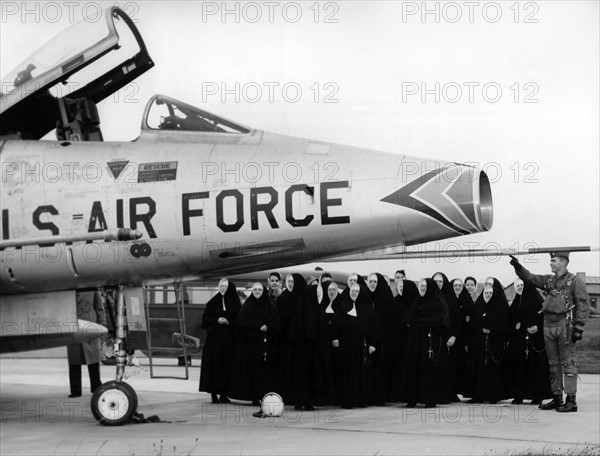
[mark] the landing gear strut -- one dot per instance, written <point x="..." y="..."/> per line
<point x="115" y="402"/>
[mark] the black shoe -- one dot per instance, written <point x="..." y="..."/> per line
<point x="224" y="400"/>
<point x="411" y="404"/>
<point x="554" y="403"/>
<point x="297" y="407"/>
<point x="517" y="400"/>
<point x="75" y="395"/>
<point x="214" y="399"/>
<point x="475" y="400"/>
<point x="430" y="405"/>
<point x="258" y="414"/>
<point x="569" y="406"/>
<point x="309" y="408"/>
<point x="536" y="402"/>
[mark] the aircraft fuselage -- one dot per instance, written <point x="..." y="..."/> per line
<point x="215" y="203"/>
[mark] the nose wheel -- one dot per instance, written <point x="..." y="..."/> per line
<point x="114" y="403"/>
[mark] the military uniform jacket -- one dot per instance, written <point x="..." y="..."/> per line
<point x="562" y="294"/>
<point x="89" y="308"/>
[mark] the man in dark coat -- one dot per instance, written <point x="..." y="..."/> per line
<point x="355" y="336"/>
<point x="253" y="373"/>
<point x="89" y="308"/>
<point x="428" y="322"/>
<point x="530" y="375"/>
<point x="219" y="320"/>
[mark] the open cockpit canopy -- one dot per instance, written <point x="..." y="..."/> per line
<point x="29" y="109"/>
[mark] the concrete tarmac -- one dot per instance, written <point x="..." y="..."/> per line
<point x="39" y="419"/>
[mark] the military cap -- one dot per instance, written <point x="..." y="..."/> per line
<point x="562" y="254"/>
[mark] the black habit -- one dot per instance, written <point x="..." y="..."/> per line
<point x="285" y="304"/>
<point x="530" y="374"/>
<point x="396" y="333"/>
<point x="461" y="309"/>
<point x="490" y="349"/>
<point x="310" y="337"/>
<point x="217" y="354"/>
<point x="253" y="370"/>
<point x="382" y="364"/>
<point x="424" y="377"/>
<point x="355" y="327"/>
<point x="330" y="307"/>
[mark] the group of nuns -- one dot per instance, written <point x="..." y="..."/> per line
<point x="375" y="343"/>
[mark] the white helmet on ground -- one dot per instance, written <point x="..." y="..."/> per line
<point x="272" y="404"/>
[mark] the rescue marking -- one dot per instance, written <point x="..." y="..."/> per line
<point x="157" y="172"/>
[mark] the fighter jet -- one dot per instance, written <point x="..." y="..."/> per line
<point x="194" y="196"/>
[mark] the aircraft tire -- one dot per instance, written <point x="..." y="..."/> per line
<point x="114" y="403"/>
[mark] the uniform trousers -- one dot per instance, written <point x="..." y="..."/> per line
<point x="560" y="350"/>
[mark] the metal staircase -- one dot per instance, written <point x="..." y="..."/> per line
<point x="180" y="319"/>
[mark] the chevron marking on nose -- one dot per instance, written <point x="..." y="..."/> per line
<point x="443" y="201"/>
<point x="428" y="194"/>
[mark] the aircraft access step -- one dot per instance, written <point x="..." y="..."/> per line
<point x="183" y="338"/>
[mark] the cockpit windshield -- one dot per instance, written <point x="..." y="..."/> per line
<point x="164" y="113"/>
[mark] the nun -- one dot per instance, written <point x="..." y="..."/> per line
<point x="396" y="333"/>
<point x="382" y="300"/>
<point x="461" y="308"/>
<point x="355" y="336"/>
<point x="219" y="321"/>
<point x="253" y="373"/>
<point x="428" y="327"/>
<point x="310" y="338"/>
<point x="491" y="328"/>
<point x="530" y="376"/>
<point x="285" y="304"/>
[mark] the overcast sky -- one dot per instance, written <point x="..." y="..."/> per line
<point x="511" y="86"/>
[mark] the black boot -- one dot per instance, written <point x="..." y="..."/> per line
<point x="214" y="398"/>
<point x="570" y="405"/>
<point x="554" y="403"/>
